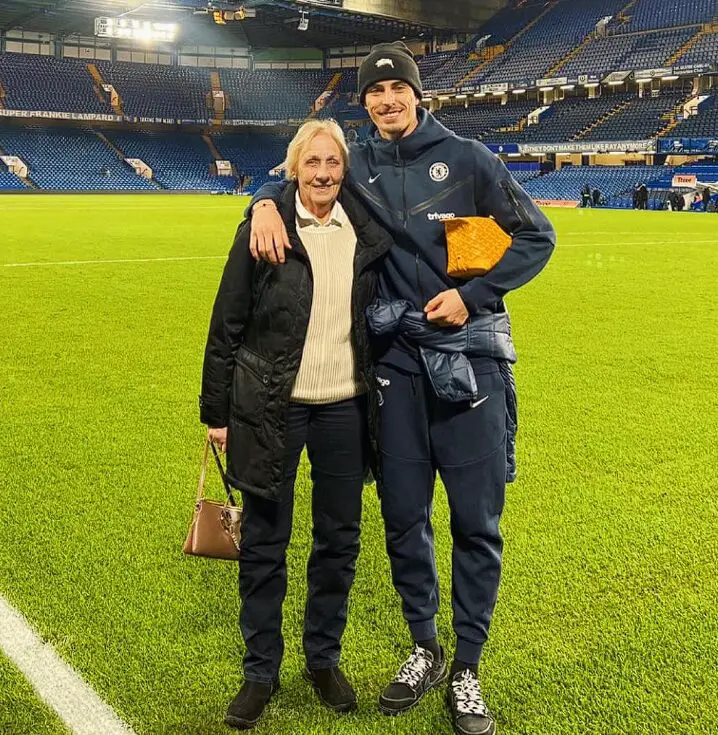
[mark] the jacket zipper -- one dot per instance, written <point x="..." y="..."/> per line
<point x="518" y="207"/>
<point x="301" y="255"/>
<point x="405" y="217"/>
<point x="439" y="197"/>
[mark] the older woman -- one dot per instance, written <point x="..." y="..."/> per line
<point x="287" y="364"/>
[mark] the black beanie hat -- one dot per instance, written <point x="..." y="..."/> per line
<point x="389" y="61"/>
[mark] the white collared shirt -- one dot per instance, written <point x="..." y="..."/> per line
<point x="337" y="218"/>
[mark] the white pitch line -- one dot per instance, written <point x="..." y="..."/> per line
<point x="74" y="701"/>
<point x="102" y="262"/>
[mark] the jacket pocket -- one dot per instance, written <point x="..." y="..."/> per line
<point x="250" y="387"/>
<point x="515" y="194"/>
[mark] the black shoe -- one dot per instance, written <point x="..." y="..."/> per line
<point x="469" y="712"/>
<point x="247" y="707"/>
<point x="332" y="688"/>
<point x="419" y="673"/>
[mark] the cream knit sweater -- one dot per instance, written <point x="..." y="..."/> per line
<point x="327" y="371"/>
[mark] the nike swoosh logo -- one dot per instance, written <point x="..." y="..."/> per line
<point x="475" y="404"/>
<point x="372" y="179"/>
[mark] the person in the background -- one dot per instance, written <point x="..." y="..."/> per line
<point x="642" y="196"/>
<point x="706" y="198"/>
<point x="596" y="196"/>
<point x="287" y="364"/>
<point x="413" y="174"/>
<point x="586" y="196"/>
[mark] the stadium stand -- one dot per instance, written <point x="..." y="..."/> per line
<point x="612" y="53"/>
<point x="650" y="50"/>
<point x="49" y="84"/>
<point x="454" y="69"/>
<point x="614" y="116"/>
<point x="501" y="30"/>
<point x="70" y="160"/>
<point x="559" y="31"/>
<point x="179" y="161"/>
<point x="430" y="63"/>
<point x="526" y="40"/>
<point x="151" y="90"/>
<point x="293" y="93"/>
<point x="703" y="51"/>
<point x="480" y="120"/>
<point x="704" y="124"/>
<point x="253" y="154"/>
<point x="647" y="15"/>
<point x="705" y="172"/>
<point x="344" y="108"/>
<point x="641" y="119"/>
<point x="611" y="180"/>
<point x="558" y="40"/>
<point x="511" y="20"/>
<point x="524" y="172"/>
<point x="565" y="120"/>
<point x="9" y="181"/>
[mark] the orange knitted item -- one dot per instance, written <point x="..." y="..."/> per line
<point x="475" y="245"/>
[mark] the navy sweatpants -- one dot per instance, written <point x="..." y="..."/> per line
<point x="334" y="435"/>
<point x="421" y="435"/>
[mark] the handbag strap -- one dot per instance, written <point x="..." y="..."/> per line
<point x="203" y="472"/>
<point x="222" y="473"/>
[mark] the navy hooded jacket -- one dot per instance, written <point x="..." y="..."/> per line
<point x="413" y="185"/>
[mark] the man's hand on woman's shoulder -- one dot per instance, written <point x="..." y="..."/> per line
<point x="268" y="237"/>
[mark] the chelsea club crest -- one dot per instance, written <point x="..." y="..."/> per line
<point x="438" y="171"/>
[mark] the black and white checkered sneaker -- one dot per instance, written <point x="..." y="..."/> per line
<point x="469" y="712"/>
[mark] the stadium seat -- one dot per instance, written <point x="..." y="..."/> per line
<point x="481" y="119"/>
<point x="48" y="84"/>
<point x="564" y="120"/>
<point x="560" y="30"/>
<point x="642" y="119"/>
<point x="253" y="154"/>
<point x="612" y="181"/>
<point x="293" y="93"/>
<point x="180" y="161"/>
<point x="70" y="160"/>
<point x="702" y="125"/>
<point x="9" y="181"/>
<point x="156" y="91"/>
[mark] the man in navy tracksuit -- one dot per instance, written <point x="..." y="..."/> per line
<point x="414" y="174"/>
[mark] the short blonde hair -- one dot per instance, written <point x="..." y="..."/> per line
<point x="305" y="135"/>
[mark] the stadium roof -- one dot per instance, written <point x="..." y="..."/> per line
<point x="276" y="22"/>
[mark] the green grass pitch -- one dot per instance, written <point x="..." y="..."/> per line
<point x="608" y="613"/>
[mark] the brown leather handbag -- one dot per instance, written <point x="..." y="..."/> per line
<point x="214" y="531"/>
<point x="475" y="245"/>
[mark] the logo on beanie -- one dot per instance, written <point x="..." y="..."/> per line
<point x="384" y="62"/>
<point x="438" y="171"/>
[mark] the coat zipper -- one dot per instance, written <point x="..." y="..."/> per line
<point x="439" y="197"/>
<point x="405" y="217"/>
<point x="302" y="255"/>
<point x="518" y="207"/>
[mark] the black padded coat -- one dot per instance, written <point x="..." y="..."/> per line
<point x="256" y="339"/>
